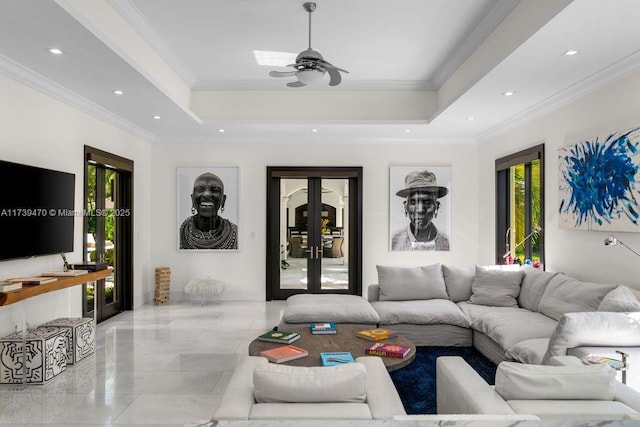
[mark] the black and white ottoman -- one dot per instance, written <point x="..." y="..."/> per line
<point x="80" y="333"/>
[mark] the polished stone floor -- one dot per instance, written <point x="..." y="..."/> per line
<point x="156" y="365"/>
<point x="335" y="274"/>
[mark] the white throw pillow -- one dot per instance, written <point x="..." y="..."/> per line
<point x="495" y="287"/>
<point x="516" y="381"/>
<point x="411" y="283"/>
<point x="621" y="299"/>
<point x="565" y="294"/>
<point x="319" y="384"/>
<point x="458" y="281"/>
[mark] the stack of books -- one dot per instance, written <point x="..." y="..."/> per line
<point x="6" y="286"/>
<point x="601" y="360"/>
<point x="281" y="337"/>
<point x="336" y="358"/>
<point x="377" y="334"/>
<point x="284" y="353"/>
<point x="388" y="350"/>
<point x="323" y="328"/>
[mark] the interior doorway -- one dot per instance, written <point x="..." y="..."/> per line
<point x="108" y="232"/>
<point x="314" y="231"/>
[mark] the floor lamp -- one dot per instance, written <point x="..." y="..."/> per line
<point x="612" y="241"/>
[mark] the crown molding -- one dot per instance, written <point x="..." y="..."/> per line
<point x="473" y="40"/>
<point x="604" y="77"/>
<point x="42" y="84"/>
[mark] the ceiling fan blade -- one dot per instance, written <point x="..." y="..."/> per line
<point x="282" y="73"/>
<point x="334" y="76"/>
<point x="296" y="84"/>
<point x="329" y="65"/>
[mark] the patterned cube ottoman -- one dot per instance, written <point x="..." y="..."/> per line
<point x="81" y="336"/>
<point x="45" y="352"/>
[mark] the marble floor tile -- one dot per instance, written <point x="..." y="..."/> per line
<point x="155" y="366"/>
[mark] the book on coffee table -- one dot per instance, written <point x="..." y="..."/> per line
<point x="377" y="334"/>
<point x="388" y="350"/>
<point x="336" y="358"/>
<point x="281" y="337"/>
<point x="601" y="360"/>
<point x="323" y="328"/>
<point x="284" y="353"/>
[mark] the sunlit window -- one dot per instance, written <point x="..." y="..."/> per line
<point x="520" y="207"/>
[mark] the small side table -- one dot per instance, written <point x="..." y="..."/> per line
<point x="610" y="362"/>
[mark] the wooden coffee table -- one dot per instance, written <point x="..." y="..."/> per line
<point x="344" y="340"/>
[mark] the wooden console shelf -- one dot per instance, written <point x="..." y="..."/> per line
<point x="29" y="291"/>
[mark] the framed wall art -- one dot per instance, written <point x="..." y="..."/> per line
<point x="208" y="208"/>
<point x="599" y="182"/>
<point x="419" y="208"/>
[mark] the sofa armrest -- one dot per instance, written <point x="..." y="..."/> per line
<point x="382" y="397"/>
<point x="597" y="328"/>
<point x="238" y="400"/>
<point x="460" y="390"/>
<point x="373" y="293"/>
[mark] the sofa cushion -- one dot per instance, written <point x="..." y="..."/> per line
<point x="458" y="281"/>
<point x="517" y="381"/>
<point x="621" y="299"/>
<point x="420" y="312"/>
<point x="306" y="308"/>
<point x="533" y="286"/>
<point x="495" y="287"/>
<point x="593" y="329"/>
<point x="510" y="327"/>
<point x="569" y="412"/>
<point x="296" y="384"/>
<point x="529" y="351"/>
<point x="411" y="283"/>
<point x="565" y="294"/>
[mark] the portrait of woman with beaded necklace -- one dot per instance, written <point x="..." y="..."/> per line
<point x="205" y="228"/>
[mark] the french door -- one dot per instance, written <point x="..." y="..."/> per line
<point x="314" y="231"/>
<point x="108" y="232"/>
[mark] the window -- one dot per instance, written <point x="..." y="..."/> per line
<point x="520" y="207"/>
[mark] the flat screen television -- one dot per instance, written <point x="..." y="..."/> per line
<point x="36" y="211"/>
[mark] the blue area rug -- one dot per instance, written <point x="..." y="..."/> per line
<point x="416" y="383"/>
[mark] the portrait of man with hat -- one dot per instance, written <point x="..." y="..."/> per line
<point x="421" y="205"/>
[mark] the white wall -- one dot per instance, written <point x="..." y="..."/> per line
<point x="244" y="272"/>
<point x="40" y="131"/>
<point x="577" y="253"/>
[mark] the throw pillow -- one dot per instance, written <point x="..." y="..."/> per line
<point x="319" y="384"/>
<point x="458" y="281"/>
<point x="495" y="287"/>
<point x="411" y="283"/>
<point x="621" y="299"/>
<point x="565" y="294"/>
<point x="517" y="381"/>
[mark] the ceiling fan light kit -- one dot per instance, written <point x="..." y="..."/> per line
<point x="310" y="65"/>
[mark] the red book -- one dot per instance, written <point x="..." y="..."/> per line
<point x="284" y="353"/>
<point x="388" y="350"/>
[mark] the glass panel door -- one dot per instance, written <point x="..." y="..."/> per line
<point x="294" y="234"/>
<point x="335" y="231"/>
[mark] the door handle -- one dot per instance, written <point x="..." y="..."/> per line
<point x="318" y="252"/>
<point x="310" y="252"/>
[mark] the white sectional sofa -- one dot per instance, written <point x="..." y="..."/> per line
<point x="566" y="390"/>
<point x="525" y="315"/>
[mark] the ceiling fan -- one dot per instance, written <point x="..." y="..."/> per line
<point x="310" y="65"/>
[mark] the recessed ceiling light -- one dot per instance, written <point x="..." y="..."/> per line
<point x="220" y="130"/>
<point x="118" y="92"/>
<point x="314" y="130"/>
<point x="407" y="130"/>
<point x="470" y="118"/>
<point x="570" y="52"/>
<point x="508" y="93"/>
<point x="157" y="117"/>
<point x="55" y="51"/>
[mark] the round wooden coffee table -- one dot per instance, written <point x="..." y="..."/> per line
<point x="344" y="340"/>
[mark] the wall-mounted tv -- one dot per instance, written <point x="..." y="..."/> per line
<point x="36" y="211"/>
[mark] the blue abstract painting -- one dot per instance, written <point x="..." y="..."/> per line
<point x="600" y="183"/>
